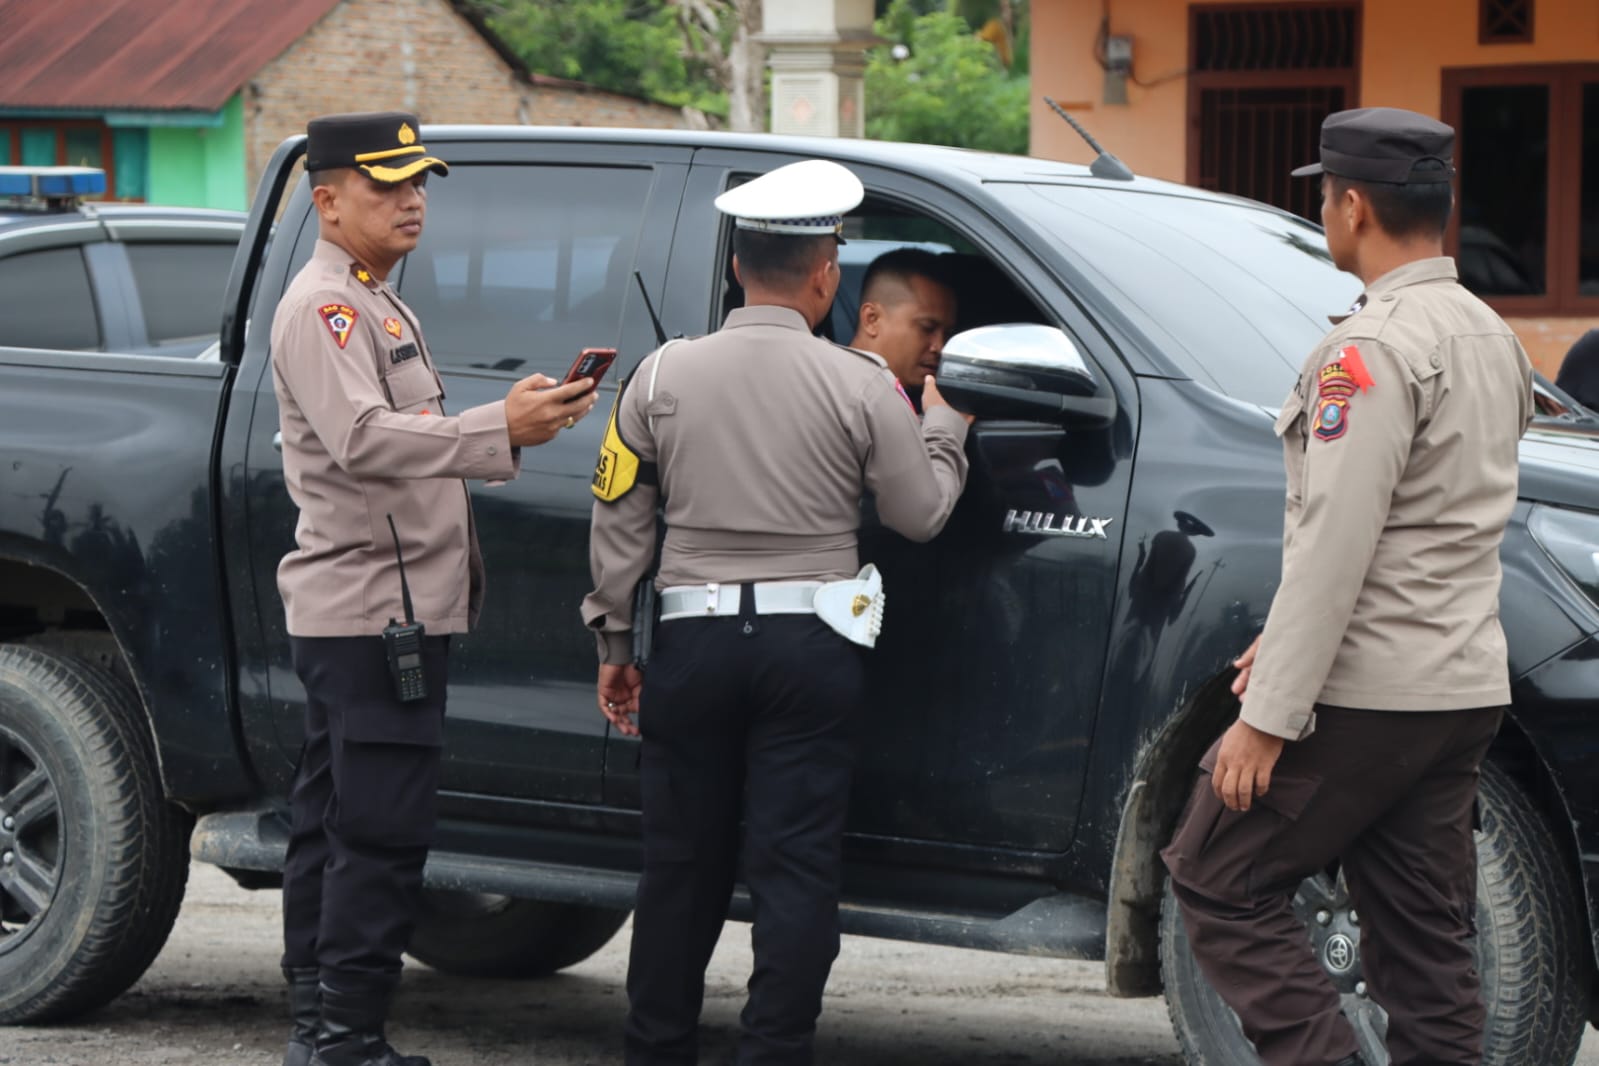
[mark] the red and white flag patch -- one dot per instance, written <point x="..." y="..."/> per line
<point x="340" y="320"/>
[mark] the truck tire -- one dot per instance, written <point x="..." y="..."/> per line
<point x="1530" y="944"/>
<point x="98" y="860"/>
<point x="473" y="935"/>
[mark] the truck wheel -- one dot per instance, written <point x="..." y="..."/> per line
<point x="1529" y="946"/>
<point x="93" y="861"/>
<point x="472" y="935"/>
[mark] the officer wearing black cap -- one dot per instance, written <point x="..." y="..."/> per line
<point x="760" y="439"/>
<point x="367" y="441"/>
<point x="1377" y="685"/>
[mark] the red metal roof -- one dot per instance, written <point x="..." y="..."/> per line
<point x="142" y="55"/>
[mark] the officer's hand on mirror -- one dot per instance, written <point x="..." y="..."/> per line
<point x="1245" y="664"/>
<point x="619" y="689"/>
<point x="1244" y="764"/>
<point x="535" y="412"/>
<point x="932" y="398"/>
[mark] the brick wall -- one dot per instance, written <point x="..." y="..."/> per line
<point x="1548" y="339"/>
<point x="421" y="56"/>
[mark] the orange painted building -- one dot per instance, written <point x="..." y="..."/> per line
<point x="1230" y="96"/>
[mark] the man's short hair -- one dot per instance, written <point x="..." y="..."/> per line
<point x="327" y="177"/>
<point x="901" y="265"/>
<point x="779" y="260"/>
<point x="1417" y="209"/>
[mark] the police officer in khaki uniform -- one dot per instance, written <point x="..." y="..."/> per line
<point x="1378" y="683"/>
<point x="367" y="440"/>
<point x="759" y="440"/>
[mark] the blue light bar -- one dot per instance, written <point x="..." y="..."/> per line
<point x="51" y="182"/>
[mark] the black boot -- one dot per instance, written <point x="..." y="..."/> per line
<point x="305" y="1011"/>
<point x="351" y="1033"/>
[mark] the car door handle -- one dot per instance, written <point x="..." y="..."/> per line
<point x="277" y="441"/>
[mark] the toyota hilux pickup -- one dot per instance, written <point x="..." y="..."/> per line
<point x="1051" y="668"/>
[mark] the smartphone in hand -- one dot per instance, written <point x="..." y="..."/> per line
<point x="591" y="363"/>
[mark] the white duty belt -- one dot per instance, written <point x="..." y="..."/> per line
<point x="852" y="608"/>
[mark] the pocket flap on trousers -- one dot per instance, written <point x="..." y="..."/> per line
<point x="1288" y="794"/>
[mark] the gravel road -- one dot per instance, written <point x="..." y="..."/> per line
<point x="214" y="997"/>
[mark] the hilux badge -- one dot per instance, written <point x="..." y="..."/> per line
<point x="1053" y="525"/>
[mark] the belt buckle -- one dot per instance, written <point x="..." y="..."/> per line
<point x="713" y="597"/>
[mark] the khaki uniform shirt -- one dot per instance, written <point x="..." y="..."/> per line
<point x="765" y="438"/>
<point x="365" y="436"/>
<point x="1400" y="441"/>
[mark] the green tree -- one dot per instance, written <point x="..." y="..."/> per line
<point x="949" y="89"/>
<point x="635" y="47"/>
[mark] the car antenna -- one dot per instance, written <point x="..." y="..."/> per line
<point x="1104" y="165"/>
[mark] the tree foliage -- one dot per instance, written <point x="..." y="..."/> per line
<point x="950" y="89"/>
<point x="637" y="47"/>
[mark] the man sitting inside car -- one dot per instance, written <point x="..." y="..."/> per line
<point x="907" y="313"/>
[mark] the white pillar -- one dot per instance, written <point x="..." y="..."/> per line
<point x="816" y="52"/>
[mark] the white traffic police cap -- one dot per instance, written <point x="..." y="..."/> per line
<point x="806" y="199"/>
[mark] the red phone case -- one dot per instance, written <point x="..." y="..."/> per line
<point x="591" y="363"/>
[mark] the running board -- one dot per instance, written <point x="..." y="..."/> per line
<point x="1060" y="926"/>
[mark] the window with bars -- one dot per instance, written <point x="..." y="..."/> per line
<point x="1504" y="21"/>
<point x="1275" y="37"/>
<point x="1263" y="78"/>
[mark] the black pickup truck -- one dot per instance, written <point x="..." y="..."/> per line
<point x="1051" y="668"/>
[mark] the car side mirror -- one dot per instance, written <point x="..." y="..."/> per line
<point x="1023" y="371"/>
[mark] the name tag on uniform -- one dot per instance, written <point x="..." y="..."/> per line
<point x="404" y="352"/>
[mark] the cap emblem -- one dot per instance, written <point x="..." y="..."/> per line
<point x="407" y="135"/>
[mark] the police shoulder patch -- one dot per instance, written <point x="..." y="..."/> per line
<point x="340" y="320"/>
<point x="1336" y="384"/>
<point x="616" y="472"/>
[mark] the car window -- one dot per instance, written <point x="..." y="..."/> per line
<point x="1237" y="294"/>
<point x="46" y="302"/>
<point x="180" y="287"/>
<point x="521" y="267"/>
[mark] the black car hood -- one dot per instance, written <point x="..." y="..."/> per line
<point x="1560" y="465"/>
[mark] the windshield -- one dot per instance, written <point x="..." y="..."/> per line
<point x="1236" y="295"/>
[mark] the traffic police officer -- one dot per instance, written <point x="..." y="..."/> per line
<point x="367" y="441"/>
<point x="1378" y="683"/>
<point x="760" y="439"/>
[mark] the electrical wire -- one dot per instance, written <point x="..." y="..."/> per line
<point x="1103" y="36"/>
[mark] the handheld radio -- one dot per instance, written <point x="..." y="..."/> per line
<point x="402" y="642"/>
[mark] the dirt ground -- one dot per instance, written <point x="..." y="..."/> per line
<point x="214" y="997"/>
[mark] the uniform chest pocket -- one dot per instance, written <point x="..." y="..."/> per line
<point x="410" y="384"/>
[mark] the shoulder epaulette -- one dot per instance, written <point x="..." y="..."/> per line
<point x="871" y="357"/>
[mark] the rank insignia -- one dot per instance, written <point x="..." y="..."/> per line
<point x="364" y="276"/>
<point x="340" y="319"/>
<point x="391" y="326"/>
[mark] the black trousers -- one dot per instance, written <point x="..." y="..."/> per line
<point x="363" y="809"/>
<point x="1390" y="797"/>
<point x="744" y="716"/>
